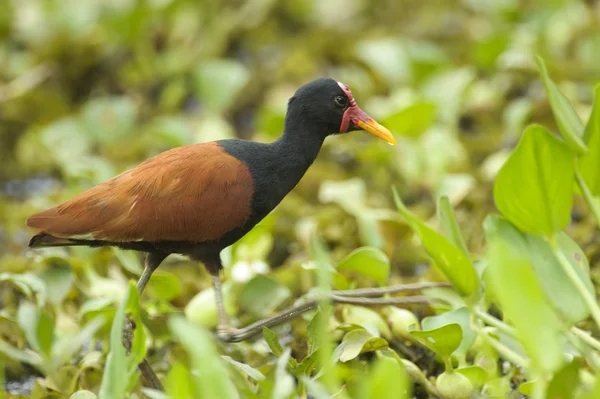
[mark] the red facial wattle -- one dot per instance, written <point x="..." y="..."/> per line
<point x="360" y="119"/>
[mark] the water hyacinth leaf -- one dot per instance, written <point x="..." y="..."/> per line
<point x="210" y="376"/>
<point x="443" y="340"/>
<point x="461" y="317"/>
<point x="412" y="120"/>
<point x="534" y="188"/>
<point x="109" y="119"/>
<point x="589" y="163"/>
<point x="476" y="374"/>
<point x="261" y="295"/>
<point x="59" y="280"/>
<point x="455" y="265"/>
<point x="366" y="318"/>
<point x="515" y="284"/>
<point x="387" y="379"/>
<point x="368" y="261"/>
<point x="559" y="289"/>
<point x="83" y="395"/>
<point x="450" y="225"/>
<point x="568" y="121"/>
<point x="360" y="341"/>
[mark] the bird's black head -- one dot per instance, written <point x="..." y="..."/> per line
<point x="326" y="107"/>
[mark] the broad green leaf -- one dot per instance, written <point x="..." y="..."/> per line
<point x="164" y="285"/>
<point x="522" y="298"/>
<point x="455" y="265"/>
<point x="368" y="261"/>
<point x="26" y="356"/>
<point x="210" y="376"/>
<point x="29" y="284"/>
<point x="449" y="224"/>
<point x="443" y="340"/>
<point x="130" y="261"/>
<point x="412" y="120"/>
<point x="565" y="383"/>
<point x="179" y="382"/>
<point x="59" y="280"/>
<point x="67" y="346"/>
<point x="367" y="318"/>
<point x="558" y="287"/>
<point x="360" y="341"/>
<point x="534" y="188"/>
<point x="461" y="317"/>
<point x="566" y="117"/>
<point x="273" y="341"/>
<point x="244" y="368"/>
<point x="261" y="295"/>
<point x="83" y="395"/>
<point x="589" y="163"/>
<point x="476" y="374"/>
<point x="109" y="119"/>
<point x="117" y="371"/>
<point x="38" y="328"/>
<point x="387" y="379"/>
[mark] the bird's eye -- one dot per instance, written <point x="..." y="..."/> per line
<point x="340" y="101"/>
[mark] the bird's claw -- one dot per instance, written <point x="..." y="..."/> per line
<point x="228" y="334"/>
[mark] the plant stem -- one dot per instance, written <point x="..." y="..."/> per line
<point x="587" y="338"/>
<point x="587" y="296"/>
<point x="502" y="349"/>
<point x="588" y="196"/>
<point x="494" y="322"/>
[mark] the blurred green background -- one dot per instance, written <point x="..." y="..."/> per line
<point x="91" y="88"/>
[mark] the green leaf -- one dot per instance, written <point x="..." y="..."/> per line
<point x="387" y="379"/>
<point x="443" y="340"/>
<point x="589" y="163"/>
<point x="219" y="82"/>
<point x="559" y="289"/>
<point x="244" y="368"/>
<point x="164" y="285"/>
<point x="83" y="395"/>
<point x="109" y="119"/>
<point x="58" y="280"/>
<point x="179" y="382"/>
<point x="521" y="296"/>
<point x="564" y="384"/>
<point x="262" y="295"/>
<point x="368" y="261"/>
<point x="313" y="332"/>
<point x="455" y="265"/>
<point x="38" y="328"/>
<point x="273" y="341"/>
<point x="476" y="374"/>
<point x="459" y="316"/>
<point x="412" y="120"/>
<point x="284" y="383"/>
<point x="450" y="225"/>
<point x="130" y="261"/>
<point x="117" y="371"/>
<point x="367" y="318"/>
<point x="534" y="188"/>
<point x="210" y="376"/>
<point x="360" y="341"/>
<point x="566" y="117"/>
<point x="21" y="355"/>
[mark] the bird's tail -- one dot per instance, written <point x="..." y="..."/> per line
<point x="46" y="240"/>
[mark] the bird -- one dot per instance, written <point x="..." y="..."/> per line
<point x="198" y="199"/>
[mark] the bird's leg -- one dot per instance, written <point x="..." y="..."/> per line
<point x="222" y="318"/>
<point x="153" y="260"/>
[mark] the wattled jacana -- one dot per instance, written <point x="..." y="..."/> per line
<point x="198" y="199"/>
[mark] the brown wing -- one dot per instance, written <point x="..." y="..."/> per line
<point x="193" y="193"/>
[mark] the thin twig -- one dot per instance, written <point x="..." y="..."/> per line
<point x="393" y="289"/>
<point x="241" y="334"/>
